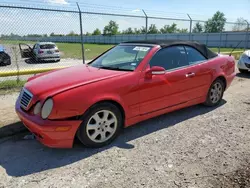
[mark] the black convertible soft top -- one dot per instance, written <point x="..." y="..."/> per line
<point x="202" y="48"/>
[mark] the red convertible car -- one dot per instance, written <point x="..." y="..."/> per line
<point x="129" y="83"/>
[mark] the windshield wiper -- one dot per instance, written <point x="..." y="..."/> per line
<point x="113" y="68"/>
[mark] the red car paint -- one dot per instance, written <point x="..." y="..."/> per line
<point x="141" y="97"/>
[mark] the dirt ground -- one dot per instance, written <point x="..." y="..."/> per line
<point x="196" y="147"/>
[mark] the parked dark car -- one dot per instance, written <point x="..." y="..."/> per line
<point x="4" y="57"/>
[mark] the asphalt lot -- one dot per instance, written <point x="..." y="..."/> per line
<point x="194" y="147"/>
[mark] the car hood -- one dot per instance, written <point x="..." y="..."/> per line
<point x="247" y="52"/>
<point x="57" y="81"/>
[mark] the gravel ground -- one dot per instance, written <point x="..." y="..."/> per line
<point x="194" y="147"/>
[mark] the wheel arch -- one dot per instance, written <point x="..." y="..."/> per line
<point x="223" y="79"/>
<point x="111" y="101"/>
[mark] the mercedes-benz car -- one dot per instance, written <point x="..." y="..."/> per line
<point x="244" y="62"/>
<point x="41" y="51"/>
<point x="5" y="58"/>
<point x="129" y="83"/>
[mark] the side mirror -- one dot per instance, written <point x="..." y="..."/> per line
<point x="155" y="70"/>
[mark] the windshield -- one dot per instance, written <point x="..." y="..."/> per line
<point x="47" y="46"/>
<point x="122" y="57"/>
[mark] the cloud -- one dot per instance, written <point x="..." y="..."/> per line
<point x="58" y="1"/>
<point x="136" y="10"/>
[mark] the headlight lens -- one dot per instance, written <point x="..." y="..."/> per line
<point x="47" y="108"/>
<point x="37" y="108"/>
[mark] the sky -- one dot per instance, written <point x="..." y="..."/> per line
<point x="25" y="21"/>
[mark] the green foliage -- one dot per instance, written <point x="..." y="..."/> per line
<point x="96" y="32"/>
<point x="128" y="31"/>
<point x="197" y="28"/>
<point x="216" y="23"/>
<point x="152" y="29"/>
<point x="111" y="28"/>
<point x="169" y="28"/>
<point x="72" y="33"/>
<point x="182" y="30"/>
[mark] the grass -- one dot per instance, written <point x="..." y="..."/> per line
<point x="73" y="50"/>
<point x="8" y="84"/>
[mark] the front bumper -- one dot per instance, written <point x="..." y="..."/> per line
<point x="243" y="64"/>
<point x="55" y="134"/>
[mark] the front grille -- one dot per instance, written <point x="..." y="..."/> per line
<point x="247" y="65"/>
<point x="25" y="98"/>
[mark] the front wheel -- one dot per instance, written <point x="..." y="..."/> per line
<point x="101" y="124"/>
<point x="215" y="93"/>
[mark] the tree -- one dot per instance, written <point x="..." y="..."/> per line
<point x="197" y="28"/>
<point x="240" y="24"/>
<point x="182" y="30"/>
<point x="56" y="35"/>
<point x="143" y="30"/>
<point x="96" y="32"/>
<point x="169" y="29"/>
<point x="136" y="31"/>
<point x="72" y="33"/>
<point x="88" y="34"/>
<point x="152" y="29"/>
<point x="111" y="28"/>
<point x="128" y="31"/>
<point x="216" y="23"/>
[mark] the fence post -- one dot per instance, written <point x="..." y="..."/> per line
<point x="246" y="39"/>
<point x="190" y="28"/>
<point x="146" y="16"/>
<point x="220" y="40"/>
<point x="80" y="17"/>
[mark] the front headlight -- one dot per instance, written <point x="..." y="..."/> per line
<point x="37" y="108"/>
<point x="47" y="108"/>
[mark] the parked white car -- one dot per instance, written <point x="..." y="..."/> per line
<point x="244" y="62"/>
<point x="41" y="51"/>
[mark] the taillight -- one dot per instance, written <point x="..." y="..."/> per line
<point x="40" y="51"/>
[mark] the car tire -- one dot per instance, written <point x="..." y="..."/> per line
<point x="99" y="129"/>
<point x="5" y="59"/>
<point x="243" y="71"/>
<point x="215" y="93"/>
<point x="37" y="60"/>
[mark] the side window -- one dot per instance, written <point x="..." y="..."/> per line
<point x="170" y="58"/>
<point x="194" y="56"/>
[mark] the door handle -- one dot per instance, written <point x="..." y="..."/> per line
<point x="191" y="74"/>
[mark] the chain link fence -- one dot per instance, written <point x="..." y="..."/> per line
<point x="82" y="35"/>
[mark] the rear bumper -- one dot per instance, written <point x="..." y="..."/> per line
<point x="47" y="132"/>
<point x="49" y="57"/>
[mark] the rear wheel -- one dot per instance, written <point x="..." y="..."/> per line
<point x="5" y="59"/>
<point x="243" y="71"/>
<point x="215" y="93"/>
<point x="100" y="126"/>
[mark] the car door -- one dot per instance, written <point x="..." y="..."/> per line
<point x="25" y="50"/>
<point x="174" y="87"/>
<point x="201" y="70"/>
